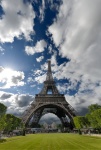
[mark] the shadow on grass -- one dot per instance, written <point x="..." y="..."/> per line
<point x="2" y="140"/>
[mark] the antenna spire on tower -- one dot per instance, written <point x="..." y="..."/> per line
<point x="49" y="66"/>
<point x="49" y="76"/>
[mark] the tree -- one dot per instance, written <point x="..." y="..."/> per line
<point x="93" y="107"/>
<point x="80" y="122"/>
<point x="12" y="122"/>
<point x="92" y="119"/>
<point x="3" y="109"/>
<point x="95" y="119"/>
<point x="94" y="116"/>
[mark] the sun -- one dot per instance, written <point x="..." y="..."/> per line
<point x="7" y="73"/>
<point x="8" y="70"/>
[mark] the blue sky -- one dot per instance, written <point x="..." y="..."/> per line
<point x="66" y="31"/>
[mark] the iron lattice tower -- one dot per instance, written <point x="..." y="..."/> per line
<point x="49" y="100"/>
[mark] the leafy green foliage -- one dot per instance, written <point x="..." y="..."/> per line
<point x="95" y="119"/>
<point x="8" y="122"/>
<point x="93" y="107"/>
<point x="12" y="122"/>
<point x="3" y="109"/>
<point x="92" y="119"/>
<point x="2" y="122"/>
<point x="80" y="122"/>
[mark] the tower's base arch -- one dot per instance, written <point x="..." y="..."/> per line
<point x="60" y="108"/>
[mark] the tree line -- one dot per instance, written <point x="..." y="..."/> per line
<point x="91" y="120"/>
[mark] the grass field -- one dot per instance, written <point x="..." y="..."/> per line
<point x="52" y="141"/>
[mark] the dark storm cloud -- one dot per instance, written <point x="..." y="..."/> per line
<point x="5" y="96"/>
<point x="16" y="79"/>
<point x="24" y="100"/>
<point x="83" y="111"/>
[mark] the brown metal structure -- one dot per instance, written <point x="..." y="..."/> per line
<point x="49" y="100"/>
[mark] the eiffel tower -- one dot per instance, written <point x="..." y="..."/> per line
<point x="49" y="100"/>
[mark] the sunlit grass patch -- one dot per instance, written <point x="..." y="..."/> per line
<point x="52" y="141"/>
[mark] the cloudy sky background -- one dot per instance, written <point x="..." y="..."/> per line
<point x="66" y="31"/>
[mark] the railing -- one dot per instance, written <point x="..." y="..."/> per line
<point x="51" y="101"/>
<point x="49" y="95"/>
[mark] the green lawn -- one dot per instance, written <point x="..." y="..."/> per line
<point x="52" y="141"/>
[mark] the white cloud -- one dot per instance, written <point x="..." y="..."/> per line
<point x="10" y="78"/>
<point x="57" y="71"/>
<point x="77" y="32"/>
<point x="62" y="88"/>
<point x="40" y="58"/>
<point x="30" y="80"/>
<point x="36" y="76"/>
<point x="81" y="100"/>
<point x="50" y="49"/>
<point x="41" y="78"/>
<point x="44" y="67"/>
<point x="87" y="93"/>
<point x="1" y="49"/>
<point x="38" y="48"/>
<point x="42" y="9"/>
<point x="17" y="20"/>
<point x="1" y="69"/>
<point x="16" y="104"/>
<point x="54" y="5"/>
<point x="37" y="72"/>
